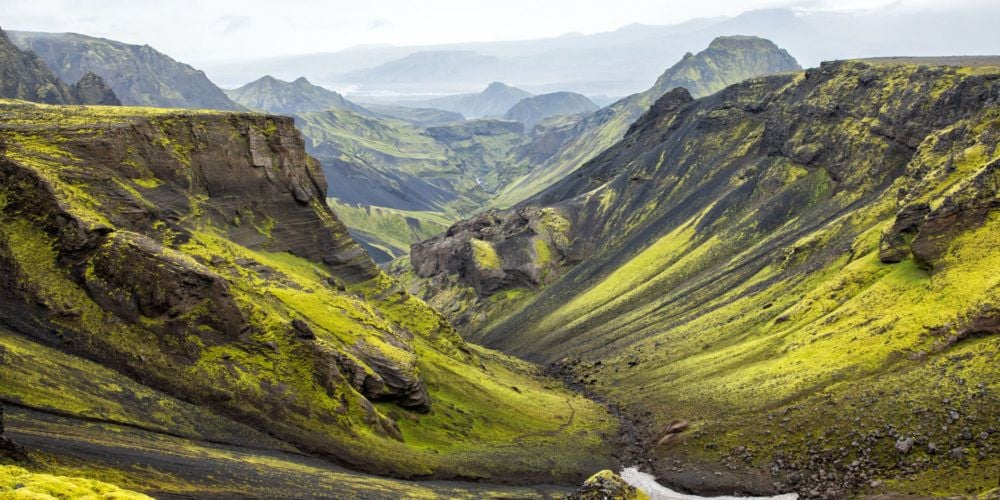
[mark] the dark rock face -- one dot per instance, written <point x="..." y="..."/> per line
<point x="92" y="89"/>
<point x="139" y="75"/>
<point x="25" y="76"/>
<point x="135" y="278"/>
<point x="498" y="249"/>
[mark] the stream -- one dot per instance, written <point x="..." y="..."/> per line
<point x="647" y="483"/>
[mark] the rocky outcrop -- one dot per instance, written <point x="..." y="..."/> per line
<point x="606" y="485"/>
<point x="92" y="89"/>
<point x="498" y="250"/>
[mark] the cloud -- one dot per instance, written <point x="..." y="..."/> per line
<point x="232" y="24"/>
<point x="375" y="24"/>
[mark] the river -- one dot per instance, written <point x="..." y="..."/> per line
<point x="647" y="483"/>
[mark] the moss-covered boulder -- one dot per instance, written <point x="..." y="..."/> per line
<point x="606" y="485"/>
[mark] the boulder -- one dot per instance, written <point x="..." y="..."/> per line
<point x="607" y="485"/>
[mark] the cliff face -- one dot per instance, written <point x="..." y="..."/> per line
<point x="796" y="252"/>
<point x="139" y="75"/>
<point x="25" y="76"/>
<point x="192" y="256"/>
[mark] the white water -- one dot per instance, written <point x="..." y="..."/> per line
<point x="647" y="483"/>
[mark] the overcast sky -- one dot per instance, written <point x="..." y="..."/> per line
<point x="213" y="30"/>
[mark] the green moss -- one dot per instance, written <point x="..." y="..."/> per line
<point x="484" y="255"/>
<point x="16" y="482"/>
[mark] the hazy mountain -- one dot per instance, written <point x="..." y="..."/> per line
<point x="494" y="101"/>
<point x="139" y="75"/>
<point x="24" y="76"/>
<point x="532" y="110"/>
<point x="280" y="97"/>
<point x="624" y="61"/>
<point x="798" y="252"/>
<point x="727" y="60"/>
<point x="420" y="68"/>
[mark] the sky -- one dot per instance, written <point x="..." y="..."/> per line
<point x="199" y="31"/>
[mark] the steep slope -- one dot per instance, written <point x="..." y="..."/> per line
<point x="727" y="60"/>
<point x="139" y="75"/>
<point x="800" y="266"/>
<point x="24" y="76"/>
<point x="534" y="110"/>
<point x="180" y="273"/>
<point x="279" y="97"/>
<point x="495" y="100"/>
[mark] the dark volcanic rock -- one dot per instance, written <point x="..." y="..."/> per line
<point x="24" y="76"/>
<point x="498" y="249"/>
<point x="139" y="74"/>
<point x="92" y="89"/>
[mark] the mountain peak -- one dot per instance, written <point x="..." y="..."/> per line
<point x="727" y="60"/>
<point x="278" y="96"/>
<point x="497" y="86"/>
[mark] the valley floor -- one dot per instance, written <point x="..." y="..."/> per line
<point x="165" y="466"/>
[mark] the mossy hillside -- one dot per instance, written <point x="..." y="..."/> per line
<point x="740" y="280"/>
<point x="16" y="482"/>
<point x="259" y="369"/>
<point x="387" y="233"/>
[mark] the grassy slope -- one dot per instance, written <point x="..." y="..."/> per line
<point x="796" y="341"/>
<point x="500" y="409"/>
<point x="386" y="230"/>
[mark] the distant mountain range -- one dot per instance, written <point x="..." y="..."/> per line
<point x="624" y="61"/>
<point x="494" y="101"/>
<point x="139" y="74"/>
